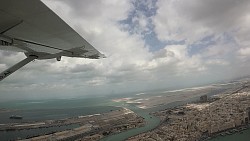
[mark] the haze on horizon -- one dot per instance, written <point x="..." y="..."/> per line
<point x="149" y="44"/>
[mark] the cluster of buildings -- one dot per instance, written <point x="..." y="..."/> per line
<point x="197" y="121"/>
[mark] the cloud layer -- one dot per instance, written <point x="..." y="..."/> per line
<point x="149" y="45"/>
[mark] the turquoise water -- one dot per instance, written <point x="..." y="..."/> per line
<point x="54" y="109"/>
<point x="244" y="136"/>
<point x="151" y="123"/>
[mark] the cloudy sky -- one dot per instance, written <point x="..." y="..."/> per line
<point x="149" y="44"/>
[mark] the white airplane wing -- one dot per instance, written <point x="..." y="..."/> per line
<point x="29" y="26"/>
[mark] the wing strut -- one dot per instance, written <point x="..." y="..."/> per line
<point x="17" y="66"/>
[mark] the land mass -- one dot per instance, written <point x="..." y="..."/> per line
<point x="205" y="119"/>
<point x="90" y="127"/>
<point x="219" y="108"/>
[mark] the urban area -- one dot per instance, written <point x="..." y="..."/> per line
<point x="222" y="115"/>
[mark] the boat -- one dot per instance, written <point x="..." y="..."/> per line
<point x="16" y="117"/>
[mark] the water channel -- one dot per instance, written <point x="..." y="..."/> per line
<point x="151" y="123"/>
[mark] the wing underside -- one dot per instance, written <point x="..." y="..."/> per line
<point x="33" y="21"/>
<point x="29" y="26"/>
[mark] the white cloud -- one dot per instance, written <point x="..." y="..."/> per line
<point x="221" y="27"/>
<point x="195" y="19"/>
<point x="129" y="65"/>
<point x="244" y="51"/>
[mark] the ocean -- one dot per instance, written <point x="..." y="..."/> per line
<point x="39" y="110"/>
<point x="54" y="109"/>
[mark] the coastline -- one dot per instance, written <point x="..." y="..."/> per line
<point x="83" y="127"/>
<point x="170" y="113"/>
<point x="232" y="131"/>
<point x="201" y="121"/>
<point x="36" y="112"/>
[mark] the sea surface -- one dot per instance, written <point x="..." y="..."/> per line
<point x="53" y="109"/>
<point x="41" y="110"/>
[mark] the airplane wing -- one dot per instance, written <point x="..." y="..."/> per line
<point x="29" y="26"/>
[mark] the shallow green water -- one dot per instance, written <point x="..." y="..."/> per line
<point x="151" y="123"/>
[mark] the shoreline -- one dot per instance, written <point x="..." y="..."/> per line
<point x="228" y="132"/>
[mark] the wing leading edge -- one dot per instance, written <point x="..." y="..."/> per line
<point x="29" y="26"/>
